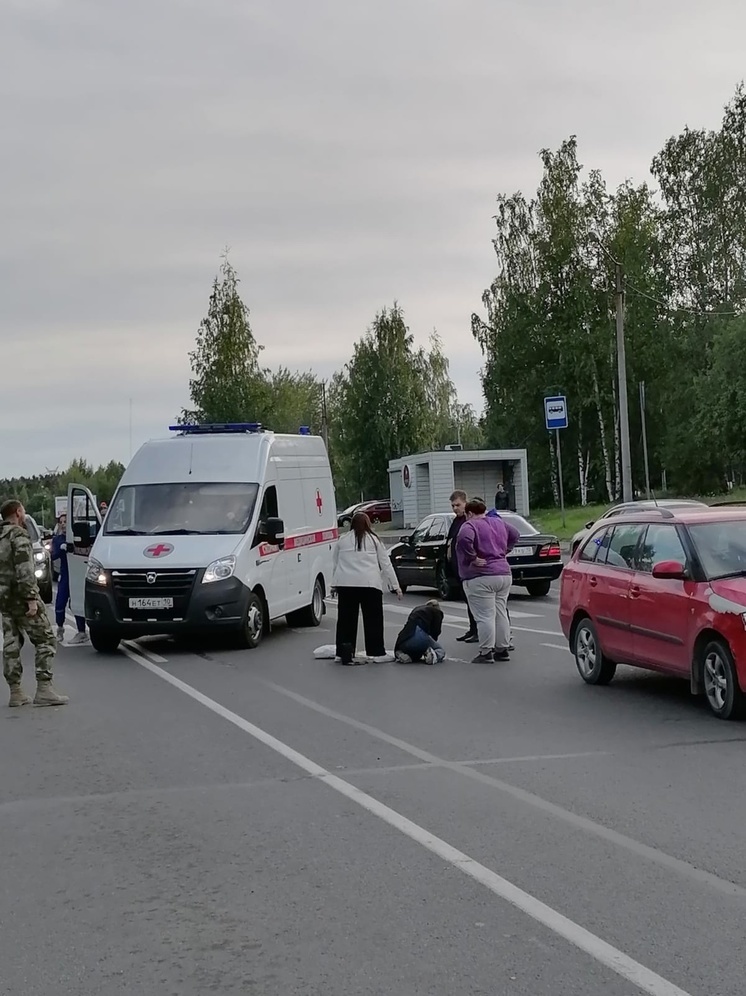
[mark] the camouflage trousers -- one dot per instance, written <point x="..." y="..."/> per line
<point x="38" y="629"/>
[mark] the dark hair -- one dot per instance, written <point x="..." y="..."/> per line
<point x="10" y="507"/>
<point x="361" y="527"/>
<point x="476" y="506"/>
<point x="458" y="494"/>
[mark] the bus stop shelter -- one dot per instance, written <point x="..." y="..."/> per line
<point x="422" y="483"/>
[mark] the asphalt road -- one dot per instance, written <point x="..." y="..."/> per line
<point x="204" y="820"/>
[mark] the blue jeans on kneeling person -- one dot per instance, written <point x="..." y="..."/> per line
<point x="418" y="644"/>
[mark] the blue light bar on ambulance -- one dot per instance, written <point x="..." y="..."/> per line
<point x="216" y="427"/>
<point x="305" y="430"/>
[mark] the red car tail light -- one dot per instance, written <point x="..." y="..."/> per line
<point x="550" y="550"/>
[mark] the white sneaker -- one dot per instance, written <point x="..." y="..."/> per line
<point x="385" y="659"/>
<point x="430" y="656"/>
<point x="403" y="658"/>
<point x="78" y="639"/>
<point x="61" y="634"/>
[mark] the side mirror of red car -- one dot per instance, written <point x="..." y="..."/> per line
<point x="670" y="570"/>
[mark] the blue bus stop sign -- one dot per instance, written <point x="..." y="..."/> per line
<point x="555" y="412"/>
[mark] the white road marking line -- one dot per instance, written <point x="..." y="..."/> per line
<point x="585" y="823"/>
<point x="150" y="654"/>
<point x="603" y="952"/>
<point x="460" y="623"/>
<point x="156" y="658"/>
<point x="403" y="610"/>
<point x="557" y="646"/>
<point x="536" y="757"/>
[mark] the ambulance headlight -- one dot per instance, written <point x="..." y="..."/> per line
<point x="39" y="556"/>
<point x="219" y="570"/>
<point x="96" y="573"/>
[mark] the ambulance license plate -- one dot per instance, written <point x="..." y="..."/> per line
<point x="151" y="603"/>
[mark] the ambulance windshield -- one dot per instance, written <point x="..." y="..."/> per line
<point x="181" y="509"/>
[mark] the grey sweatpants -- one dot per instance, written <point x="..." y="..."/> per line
<point x="488" y="601"/>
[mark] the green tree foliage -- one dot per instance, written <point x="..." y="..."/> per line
<point x="38" y="493"/>
<point x="391" y="399"/>
<point x="292" y="399"/>
<point x="550" y="322"/>
<point x="227" y="384"/>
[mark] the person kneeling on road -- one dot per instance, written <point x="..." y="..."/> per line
<point x="418" y="639"/>
<point x="22" y="611"/>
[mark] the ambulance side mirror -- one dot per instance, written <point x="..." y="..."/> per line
<point x="273" y="532"/>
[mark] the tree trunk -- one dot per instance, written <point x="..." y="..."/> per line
<point x="583" y="468"/>
<point x="602" y="431"/>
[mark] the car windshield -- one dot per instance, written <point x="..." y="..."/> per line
<point x="523" y="526"/>
<point x="721" y="546"/>
<point x="181" y="509"/>
<point x="32" y="530"/>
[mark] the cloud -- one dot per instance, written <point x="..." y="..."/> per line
<point x="348" y="154"/>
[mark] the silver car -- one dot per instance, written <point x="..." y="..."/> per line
<point x="633" y="506"/>
<point x="42" y="560"/>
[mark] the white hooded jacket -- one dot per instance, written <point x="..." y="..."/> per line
<point x="368" y="567"/>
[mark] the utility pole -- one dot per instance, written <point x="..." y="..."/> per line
<point x="621" y="361"/>
<point x="644" y="417"/>
<point x="559" y="478"/>
<point x="324" y="422"/>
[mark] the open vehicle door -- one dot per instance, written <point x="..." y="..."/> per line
<point x="83" y="526"/>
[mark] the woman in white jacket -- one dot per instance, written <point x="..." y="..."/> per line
<point x="361" y="568"/>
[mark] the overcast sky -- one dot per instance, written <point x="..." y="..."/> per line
<point x="349" y="154"/>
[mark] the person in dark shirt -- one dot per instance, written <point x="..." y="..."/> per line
<point x="458" y="504"/>
<point x="418" y="639"/>
<point x="502" y="499"/>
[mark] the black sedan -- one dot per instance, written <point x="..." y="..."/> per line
<point x="420" y="559"/>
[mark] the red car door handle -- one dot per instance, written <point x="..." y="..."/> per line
<point x="592" y="582"/>
<point x="634" y="591"/>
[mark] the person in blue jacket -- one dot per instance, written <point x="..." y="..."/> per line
<point x="59" y="552"/>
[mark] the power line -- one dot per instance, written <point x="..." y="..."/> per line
<point x="689" y="311"/>
<point x="655" y="300"/>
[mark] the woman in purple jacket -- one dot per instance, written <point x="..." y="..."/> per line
<point x="481" y="550"/>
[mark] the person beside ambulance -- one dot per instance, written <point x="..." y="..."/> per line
<point x="59" y="552"/>
<point x="361" y="567"/>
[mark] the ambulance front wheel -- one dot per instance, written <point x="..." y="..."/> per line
<point x="104" y="641"/>
<point x="254" y="622"/>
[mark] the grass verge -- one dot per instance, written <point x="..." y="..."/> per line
<point x="549" y="520"/>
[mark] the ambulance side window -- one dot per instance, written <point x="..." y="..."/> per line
<point x="269" y="510"/>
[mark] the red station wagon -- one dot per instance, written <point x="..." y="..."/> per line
<point x="663" y="590"/>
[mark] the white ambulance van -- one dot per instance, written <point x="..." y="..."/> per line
<point x="220" y="527"/>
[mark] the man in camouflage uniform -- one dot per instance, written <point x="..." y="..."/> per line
<point x="22" y="610"/>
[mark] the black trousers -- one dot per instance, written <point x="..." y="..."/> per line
<point x="472" y="620"/>
<point x="349" y="602"/>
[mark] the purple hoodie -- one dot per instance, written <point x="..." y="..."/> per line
<point x="488" y="538"/>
